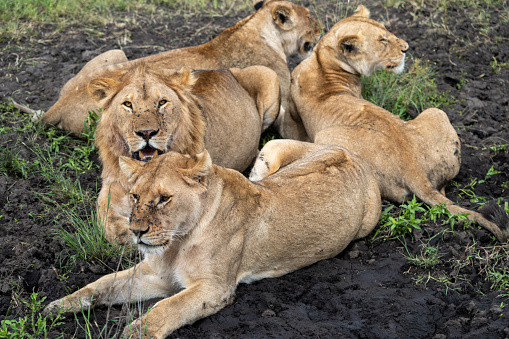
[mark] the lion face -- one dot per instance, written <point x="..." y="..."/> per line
<point x="148" y="112"/>
<point x="167" y="197"/>
<point x="298" y="30"/>
<point x="364" y="45"/>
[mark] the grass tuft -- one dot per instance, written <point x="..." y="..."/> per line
<point x="408" y="94"/>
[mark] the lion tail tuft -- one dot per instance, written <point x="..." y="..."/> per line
<point x="496" y="214"/>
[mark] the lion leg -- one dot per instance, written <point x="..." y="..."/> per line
<point x="262" y="84"/>
<point x="196" y="302"/>
<point x="71" y="109"/>
<point x="113" y="212"/>
<point x="137" y="283"/>
<point x="439" y="150"/>
<point x="279" y="153"/>
<point x="432" y="196"/>
<point x="290" y="125"/>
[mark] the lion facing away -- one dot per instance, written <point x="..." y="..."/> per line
<point x="149" y="111"/>
<point x="204" y="229"/>
<point x="415" y="157"/>
<point x="276" y="31"/>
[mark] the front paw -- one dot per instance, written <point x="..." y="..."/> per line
<point x="67" y="304"/>
<point x="56" y="307"/>
<point x="136" y="330"/>
<point x="141" y="329"/>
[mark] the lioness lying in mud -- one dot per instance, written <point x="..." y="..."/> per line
<point x="149" y="111"/>
<point x="408" y="157"/>
<point x="274" y="32"/>
<point x="204" y="229"/>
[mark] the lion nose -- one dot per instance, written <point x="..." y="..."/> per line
<point x="147" y="133"/>
<point x="404" y="46"/>
<point x="138" y="232"/>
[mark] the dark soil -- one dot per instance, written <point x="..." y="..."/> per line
<point x="368" y="291"/>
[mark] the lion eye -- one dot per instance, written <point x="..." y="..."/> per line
<point x="164" y="198"/>
<point x="127" y="104"/>
<point x="162" y="102"/>
<point x="383" y="40"/>
<point x="135" y="196"/>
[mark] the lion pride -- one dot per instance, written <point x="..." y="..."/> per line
<point x="149" y="111"/>
<point x="267" y="37"/>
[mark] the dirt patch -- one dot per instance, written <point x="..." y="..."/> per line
<point x="368" y="291"/>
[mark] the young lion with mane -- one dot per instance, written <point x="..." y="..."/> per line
<point x="149" y="111"/>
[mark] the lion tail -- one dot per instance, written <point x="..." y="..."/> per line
<point x="35" y="114"/>
<point x="494" y="219"/>
<point x="496" y="214"/>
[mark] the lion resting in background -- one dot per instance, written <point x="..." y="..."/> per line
<point x="408" y="157"/>
<point x="149" y="111"/>
<point x="276" y="31"/>
<point x="308" y="211"/>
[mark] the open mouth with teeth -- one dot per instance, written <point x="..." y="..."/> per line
<point x="146" y="154"/>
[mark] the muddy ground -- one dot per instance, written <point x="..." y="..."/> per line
<point x="368" y="291"/>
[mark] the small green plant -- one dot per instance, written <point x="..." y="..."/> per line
<point x="33" y="325"/>
<point x="497" y="66"/>
<point x="427" y="258"/>
<point x="397" y="226"/>
<point x="404" y="222"/>
<point x="491" y="172"/>
<point x="467" y="191"/>
<point x="12" y="164"/>
<point x="498" y="148"/>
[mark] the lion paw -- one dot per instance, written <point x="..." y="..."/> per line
<point x="55" y="307"/>
<point x="137" y="330"/>
<point x="260" y="169"/>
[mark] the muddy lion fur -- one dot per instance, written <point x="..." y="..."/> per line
<point x="149" y="111"/>
<point x="408" y="157"/>
<point x="204" y="229"/>
<point x="267" y="37"/>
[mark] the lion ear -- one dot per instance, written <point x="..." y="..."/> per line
<point x="184" y="79"/>
<point x="362" y="12"/>
<point x="198" y="168"/>
<point x="257" y="4"/>
<point x="102" y="88"/>
<point x="350" y="45"/>
<point x="130" y="167"/>
<point x="283" y="17"/>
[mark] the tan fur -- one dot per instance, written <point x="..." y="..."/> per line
<point x="204" y="229"/>
<point x="181" y="111"/>
<point x="267" y="37"/>
<point x="415" y="157"/>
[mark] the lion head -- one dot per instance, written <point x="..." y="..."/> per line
<point x="362" y="45"/>
<point x="167" y="197"/>
<point x="146" y="112"/>
<point x="297" y="29"/>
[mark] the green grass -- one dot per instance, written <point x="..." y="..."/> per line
<point x="86" y="239"/>
<point x="21" y="18"/>
<point x="480" y="12"/>
<point x="412" y="215"/>
<point x="406" y="94"/>
<point x="32" y="325"/>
